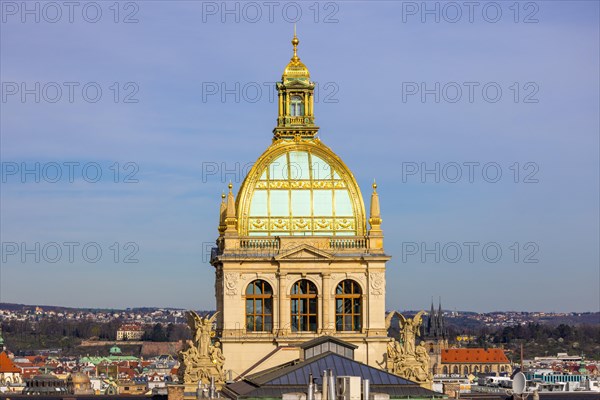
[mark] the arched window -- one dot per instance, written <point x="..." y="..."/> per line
<point x="348" y="306"/>
<point x="466" y="371"/>
<point x="259" y="306"/>
<point x="476" y="369"/>
<point x="296" y="106"/>
<point x="487" y="369"/>
<point x="304" y="306"/>
<point x="445" y="370"/>
<point x="455" y="370"/>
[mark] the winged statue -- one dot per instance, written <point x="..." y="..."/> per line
<point x="201" y="331"/>
<point x="410" y="329"/>
<point x="388" y="319"/>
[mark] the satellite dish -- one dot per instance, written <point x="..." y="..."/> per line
<point x="518" y="384"/>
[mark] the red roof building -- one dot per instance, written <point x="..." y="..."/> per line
<point x="467" y="362"/>
<point x="10" y="373"/>
<point x="7" y="365"/>
<point x="475" y="356"/>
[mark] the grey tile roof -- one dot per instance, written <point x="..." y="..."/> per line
<point x="293" y="377"/>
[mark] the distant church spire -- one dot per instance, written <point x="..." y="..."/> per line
<point x="431" y="331"/>
<point x="440" y="316"/>
<point x="435" y="323"/>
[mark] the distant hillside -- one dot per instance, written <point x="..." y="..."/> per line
<point x="28" y="307"/>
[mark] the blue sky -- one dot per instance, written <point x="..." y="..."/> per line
<point x="368" y="59"/>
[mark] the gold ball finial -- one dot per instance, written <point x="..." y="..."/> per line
<point x="223" y="195"/>
<point x="295" y="43"/>
<point x="230" y="186"/>
<point x="374" y="184"/>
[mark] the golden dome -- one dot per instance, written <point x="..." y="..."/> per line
<point x="300" y="188"/>
<point x="295" y="68"/>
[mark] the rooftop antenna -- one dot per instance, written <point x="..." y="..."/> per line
<point x="522" y="364"/>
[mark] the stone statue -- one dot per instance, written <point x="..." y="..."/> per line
<point x="201" y="359"/>
<point x="408" y="360"/>
<point x="410" y="329"/>
<point x="202" y="330"/>
<point x="217" y="357"/>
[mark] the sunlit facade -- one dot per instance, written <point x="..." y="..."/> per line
<point x="297" y="257"/>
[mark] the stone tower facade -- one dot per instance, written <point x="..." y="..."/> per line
<point x="297" y="256"/>
<point x="436" y="337"/>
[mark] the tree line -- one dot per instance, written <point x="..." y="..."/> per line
<point x="66" y="334"/>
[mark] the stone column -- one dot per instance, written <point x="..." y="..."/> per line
<point x="283" y="317"/>
<point x="326" y="303"/>
<point x="306" y="104"/>
<point x="280" y="104"/>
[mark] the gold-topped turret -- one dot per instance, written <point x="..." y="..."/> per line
<point x="222" y="214"/>
<point x="296" y="100"/>
<point x="230" y="214"/>
<point x="375" y="233"/>
<point x="295" y="68"/>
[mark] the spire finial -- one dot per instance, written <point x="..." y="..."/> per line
<point x="230" y="213"/>
<point x="375" y="215"/>
<point x="295" y="43"/>
<point x="222" y="214"/>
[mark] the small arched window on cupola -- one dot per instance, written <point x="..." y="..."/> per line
<point x="296" y="106"/>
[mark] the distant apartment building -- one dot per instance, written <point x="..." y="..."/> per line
<point x="130" y="332"/>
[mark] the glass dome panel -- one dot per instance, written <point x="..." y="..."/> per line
<point x="258" y="206"/>
<point x="323" y="203"/>
<point x="300" y="193"/>
<point x="343" y="205"/>
<point x="278" y="170"/>
<point x="301" y="204"/>
<point x="320" y="169"/>
<point x="299" y="165"/>
<point x="279" y="203"/>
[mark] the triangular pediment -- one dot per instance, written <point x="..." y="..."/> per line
<point x="304" y="252"/>
<point x="297" y="83"/>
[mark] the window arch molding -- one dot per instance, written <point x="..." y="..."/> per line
<point x="304" y="305"/>
<point x="357" y="279"/>
<point x="348" y="304"/>
<point x="259" y="306"/>
<point x="248" y="279"/>
<point x="293" y="279"/>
